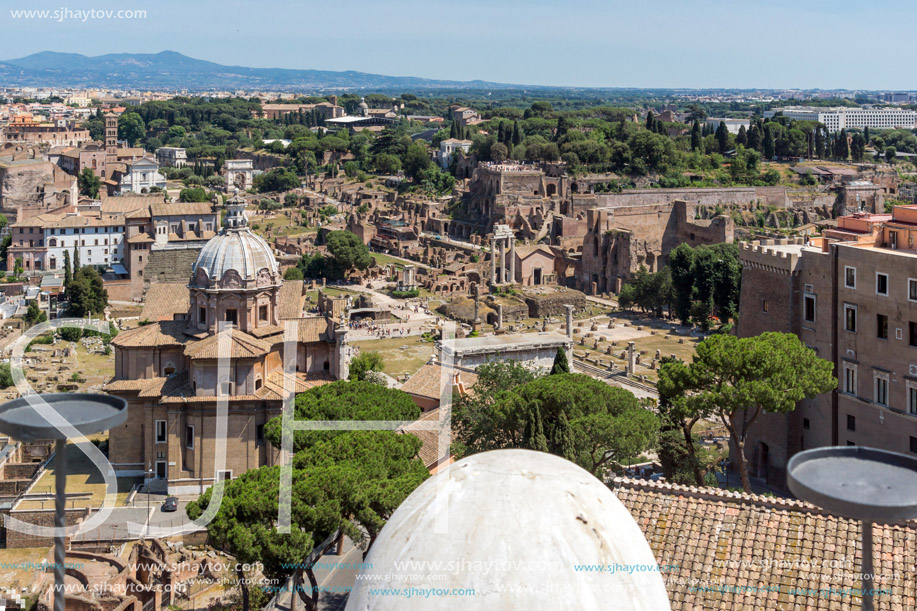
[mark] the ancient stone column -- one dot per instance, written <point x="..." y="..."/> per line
<point x="493" y="260"/>
<point x="512" y="259"/>
<point x="631" y="358"/>
<point x="502" y="266"/>
<point x="569" y="309"/>
<point x="500" y="316"/>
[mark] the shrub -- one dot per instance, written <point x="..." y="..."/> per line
<point x="71" y="334"/>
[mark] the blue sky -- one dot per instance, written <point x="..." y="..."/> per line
<point x="592" y="43"/>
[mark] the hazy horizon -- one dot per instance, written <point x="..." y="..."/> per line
<point x="581" y="43"/>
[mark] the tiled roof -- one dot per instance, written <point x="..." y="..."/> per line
<point x="140" y="238"/>
<point x="290" y="299"/>
<point x="164" y="300"/>
<point x="181" y="209"/>
<point x="72" y="220"/>
<point x="426" y="381"/>
<point x="771" y="546"/>
<point x="429" y="437"/>
<point x="127" y="203"/>
<point x="161" y="334"/>
<point x="313" y="329"/>
<point x="243" y="346"/>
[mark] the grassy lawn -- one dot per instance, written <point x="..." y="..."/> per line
<point x="386" y="259"/>
<point x="82" y="477"/>
<point x="401" y="355"/>
<point x="17" y="578"/>
<point x="648" y="344"/>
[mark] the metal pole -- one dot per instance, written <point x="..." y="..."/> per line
<point x="60" y="505"/>
<point x="868" y="604"/>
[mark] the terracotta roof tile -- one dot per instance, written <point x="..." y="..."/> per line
<point x="291" y="299"/>
<point x="243" y="346"/>
<point x="156" y="334"/>
<point x="736" y="541"/>
<point x="426" y="381"/>
<point x="164" y="300"/>
<point x="423" y="429"/>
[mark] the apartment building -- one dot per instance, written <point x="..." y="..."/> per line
<point x="836" y="119"/>
<point x="850" y="295"/>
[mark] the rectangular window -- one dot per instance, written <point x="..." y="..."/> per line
<point x="809" y="308"/>
<point x="912" y="400"/>
<point x="850" y="379"/>
<point x="850" y="277"/>
<point x="851" y="423"/>
<point x="881" y="326"/>
<point x="202" y="315"/>
<point x="914" y="444"/>
<point x="160" y="431"/>
<point x="881" y="393"/>
<point x="231" y="316"/>
<point x="189" y="436"/>
<point x="161" y="469"/>
<point x="262" y="312"/>
<point x="881" y="284"/>
<point x="912" y="333"/>
<point x="764" y="306"/>
<point x="259" y="434"/>
<point x="850" y="318"/>
<point x="224" y="475"/>
<point x="805" y="423"/>
<point x="912" y="289"/>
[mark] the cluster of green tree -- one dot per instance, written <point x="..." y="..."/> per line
<point x="734" y="380"/>
<point x="276" y="180"/>
<point x="706" y="281"/>
<point x="350" y="481"/>
<point x="83" y="288"/>
<point x="347" y="252"/>
<point x="597" y="426"/>
<point x="697" y="283"/>
<point x="363" y="363"/>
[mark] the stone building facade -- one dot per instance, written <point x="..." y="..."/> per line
<point x="621" y="240"/>
<point x="170" y="373"/>
<point x="852" y="297"/>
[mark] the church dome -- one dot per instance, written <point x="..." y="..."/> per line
<point x="510" y="527"/>
<point x="236" y="257"/>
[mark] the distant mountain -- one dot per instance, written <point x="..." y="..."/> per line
<point x="169" y="70"/>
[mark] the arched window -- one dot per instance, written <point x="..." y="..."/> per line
<point x="52" y="242"/>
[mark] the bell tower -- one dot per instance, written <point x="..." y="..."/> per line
<point x="111" y="133"/>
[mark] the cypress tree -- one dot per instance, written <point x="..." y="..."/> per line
<point x="68" y="274"/>
<point x="722" y="137"/>
<point x="501" y="133"/>
<point x="561" y="364"/>
<point x="754" y="138"/>
<point x="563" y="438"/>
<point x="650" y="121"/>
<point x="843" y="151"/>
<point x="768" y="143"/>
<point x="695" y="136"/>
<point x="742" y="136"/>
<point x="76" y="256"/>
<point x="517" y="134"/>
<point x="866" y="134"/>
<point x="539" y="441"/>
<point x="819" y="142"/>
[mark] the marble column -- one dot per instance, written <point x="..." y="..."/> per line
<point x="512" y="259"/>
<point x="502" y="271"/>
<point x="569" y="309"/>
<point x="493" y="261"/>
